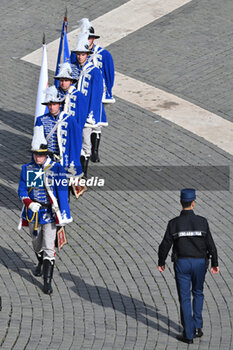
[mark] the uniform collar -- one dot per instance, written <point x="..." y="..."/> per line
<point x="57" y="116"/>
<point x="86" y="65"/>
<point x="187" y="212"/>
<point x="62" y="92"/>
<point x="47" y="162"/>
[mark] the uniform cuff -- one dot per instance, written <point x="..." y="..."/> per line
<point x="27" y="201"/>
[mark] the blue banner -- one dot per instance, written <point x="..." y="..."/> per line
<point x="63" y="52"/>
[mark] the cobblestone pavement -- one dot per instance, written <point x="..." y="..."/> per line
<point x="108" y="293"/>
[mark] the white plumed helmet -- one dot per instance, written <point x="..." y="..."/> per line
<point x="86" y="26"/>
<point x="65" y="71"/>
<point x="82" y="44"/>
<point x="52" y="95"/>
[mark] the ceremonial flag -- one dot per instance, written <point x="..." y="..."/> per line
<point x="43" y="83"/>
<point x="63" y="52"/>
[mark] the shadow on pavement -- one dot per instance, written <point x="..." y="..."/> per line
<point x="14" y="261"/>
<point x="128" y="306"/>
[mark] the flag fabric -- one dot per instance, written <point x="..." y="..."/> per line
<point x="61" y="237"/>
<point x="43" y="84"/>
<point x="63" y="52"/>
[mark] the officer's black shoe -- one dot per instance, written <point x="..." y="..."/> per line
<point x="95" y="142"/>
<point x="48" y="275"/>
<point x="198" y="333"/>
<point x="181" y="337"/>
<point x="38" y="269"/>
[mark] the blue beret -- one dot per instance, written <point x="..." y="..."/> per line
<point x="187" y="195"/>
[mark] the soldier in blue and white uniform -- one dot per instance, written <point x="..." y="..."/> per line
<point x="90" y="82"/>
<point x="75" y="102"/>
<point x="63" y="136"/>
<point x="67" y="89"/>
<point x="43" y="190"/>
<point x="103" y="60"/>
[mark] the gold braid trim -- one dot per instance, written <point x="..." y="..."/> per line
<point x="35" y="213"/>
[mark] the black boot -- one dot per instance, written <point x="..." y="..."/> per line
<point x="84" y="162"/>
<point x="48" y="275"/>
<point x="95" y="142"/>
<point x="38" y="269"/>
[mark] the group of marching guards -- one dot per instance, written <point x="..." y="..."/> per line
<point x="64" y="140"/>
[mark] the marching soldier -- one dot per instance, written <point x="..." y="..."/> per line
<point x="192" y="242"/>
<point x="62" y="134"/>
<point x="75" y="104"/>
<point x="67" y="88"/>
<point x="90" y="82"/>
<point x="44" y="192"/>
<point x="103" y="60"/>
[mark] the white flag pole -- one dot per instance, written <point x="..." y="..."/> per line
<point x="43" y="83"/>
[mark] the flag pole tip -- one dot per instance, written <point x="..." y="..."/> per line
<point x="43" y="38"/>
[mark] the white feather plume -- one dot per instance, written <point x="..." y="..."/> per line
<point x="85" y="25"/>
<point x="38" y="138"/>
<point x="50" y="92"/>
<point x="82" y="44"/>
<point x="52" y="95"/>
<point x="65" y="71"/>
<point x="65" y="67"/>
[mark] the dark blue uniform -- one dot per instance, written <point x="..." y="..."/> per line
<point x="193" y="245"/>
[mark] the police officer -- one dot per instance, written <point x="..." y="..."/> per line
<point x="192" y="242"/>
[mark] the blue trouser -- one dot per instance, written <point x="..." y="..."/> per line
<point x="190" y="273"/>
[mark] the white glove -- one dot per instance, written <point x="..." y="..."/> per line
<point x="34" y="206"/>
<point x="54" y="209"/>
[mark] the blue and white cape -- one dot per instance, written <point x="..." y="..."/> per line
<point x="45" y="184"/>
